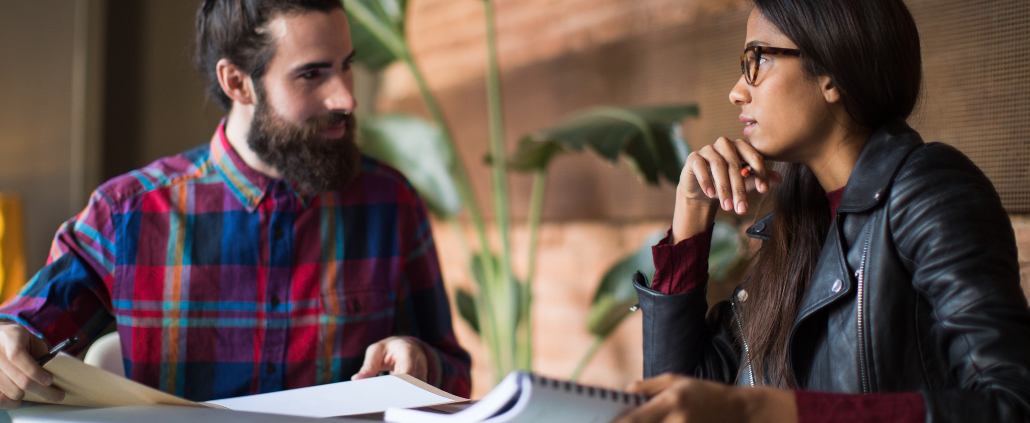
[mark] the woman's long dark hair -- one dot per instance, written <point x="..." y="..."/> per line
<point x="870" y="50"/>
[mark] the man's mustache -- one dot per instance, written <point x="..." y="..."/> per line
<point x="334" y="119"/>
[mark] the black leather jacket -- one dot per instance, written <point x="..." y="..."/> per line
<point x="916" y="289"/>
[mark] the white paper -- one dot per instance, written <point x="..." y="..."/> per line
<point x="364" y="396"/>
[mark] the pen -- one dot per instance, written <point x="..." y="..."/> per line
<point x="56" y="349"/>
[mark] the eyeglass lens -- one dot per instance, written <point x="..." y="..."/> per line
<point x="749" y="63"/>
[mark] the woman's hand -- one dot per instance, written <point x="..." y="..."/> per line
<point x="712" y="178"/>
<point x="682" y="399"/>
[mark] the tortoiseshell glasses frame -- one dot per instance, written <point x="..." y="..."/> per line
<point x="751" y="60"/>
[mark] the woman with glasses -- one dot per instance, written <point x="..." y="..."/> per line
<point x="886" y="287"/>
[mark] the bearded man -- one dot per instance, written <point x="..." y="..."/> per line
<point x="274" y="257"/>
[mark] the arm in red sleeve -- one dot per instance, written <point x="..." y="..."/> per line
<point x="821" y="407"/>
<point x="681" y="267"/>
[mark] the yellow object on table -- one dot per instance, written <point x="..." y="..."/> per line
<point x="12" y="246"/>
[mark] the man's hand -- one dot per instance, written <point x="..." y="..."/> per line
<point x="19" y="372"/>
<point x="683" y="399"/>
<point x="395" y="354"/>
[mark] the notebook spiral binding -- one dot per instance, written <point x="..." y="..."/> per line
<point x="591" y="391"/>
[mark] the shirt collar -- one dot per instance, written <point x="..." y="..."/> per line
<point x="247" y="184"/>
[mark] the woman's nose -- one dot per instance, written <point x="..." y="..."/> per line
<point x="741" y="93"/>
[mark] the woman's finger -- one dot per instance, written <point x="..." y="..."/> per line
<point x="652" y="386"/>
<point x="703" y="175"/>
<point x="738" y="186"/>
<point x="718" y="169"/>
<point x="753" y="158"/>
<point x="653" y="411"/>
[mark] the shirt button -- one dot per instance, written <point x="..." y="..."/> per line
<point x="742" y="295"/>
<point x="877" y="195"/>
<point x="356" y="306"/>
<point x="270" y="368"/>
<point x="837" y="285"/>
<point x="275" y="301"/>
<point x="760" y="226"/>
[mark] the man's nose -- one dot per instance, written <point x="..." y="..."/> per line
<point x="340" y="95"/>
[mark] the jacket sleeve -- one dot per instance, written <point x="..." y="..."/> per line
<point x="680" y="338"/>
<point x="958" y="242"/>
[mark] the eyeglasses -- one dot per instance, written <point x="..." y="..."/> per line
<point x="752" y="59"/>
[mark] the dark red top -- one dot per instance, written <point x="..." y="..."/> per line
<point x="682" y="267"/>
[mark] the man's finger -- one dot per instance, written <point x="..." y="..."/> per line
<point x="373" y="361"/>
<point x="27" y="364"/>
<point x="8" y="404"/>
<point x="9" y="389"/>
<point x="47" y="393"/>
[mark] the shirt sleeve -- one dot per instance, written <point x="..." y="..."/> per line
<point x="820" y="407"/>
<point x="70" y="296"/>
<point x="427" y="312"/>
<point x="682" y="267"/>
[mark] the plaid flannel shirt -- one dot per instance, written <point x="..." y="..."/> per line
<point x="224" y="282"/>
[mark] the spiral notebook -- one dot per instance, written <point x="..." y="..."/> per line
<point x="526" y="397"/>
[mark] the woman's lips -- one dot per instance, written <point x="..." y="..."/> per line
<point x="749" y="124"/>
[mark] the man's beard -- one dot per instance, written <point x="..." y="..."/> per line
<point x="300" y="153"/>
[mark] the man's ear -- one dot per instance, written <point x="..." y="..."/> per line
<point x="235" y="83"/>
<point x="830" y="92"/>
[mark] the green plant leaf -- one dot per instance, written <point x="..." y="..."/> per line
<point x="467" y="308"/>
<point x="648" y="138"/>
<point x="724" y="255"/>
<point x="512" y="294"/>
<point x="418" y="150"/>
<point x="616" y="294"/>
<point x="377" y="30"/>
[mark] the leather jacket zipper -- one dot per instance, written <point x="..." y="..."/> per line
<point x="860" y="274"/>
<point x="747" y="352"/>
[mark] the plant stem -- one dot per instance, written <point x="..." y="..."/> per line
<point x="536" y="207"/>
<point x="508" y="311"/>
<point x="598" y="341"/>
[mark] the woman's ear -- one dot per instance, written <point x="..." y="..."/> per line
<point x="830" y="92"/>
<point x="235" y="83"/>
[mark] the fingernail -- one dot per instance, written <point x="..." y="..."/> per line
<point x="711" y="193"/>
<point x="727" y="205"/>
<point x="47" y="380"/>
<point x="741" y="207"/>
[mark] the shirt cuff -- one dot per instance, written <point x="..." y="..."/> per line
<point x="821" y="407"/>
<point x="682" y="267"/>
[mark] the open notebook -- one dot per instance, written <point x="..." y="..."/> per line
<point x="524" y="397"/>
<point x="88" y="386"/>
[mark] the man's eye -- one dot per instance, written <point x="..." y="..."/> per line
<point x="309" y="75"/>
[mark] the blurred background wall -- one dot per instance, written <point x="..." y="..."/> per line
<point x="92" y="88"/>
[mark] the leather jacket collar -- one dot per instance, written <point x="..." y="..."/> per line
<point x="880" y="159"/>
